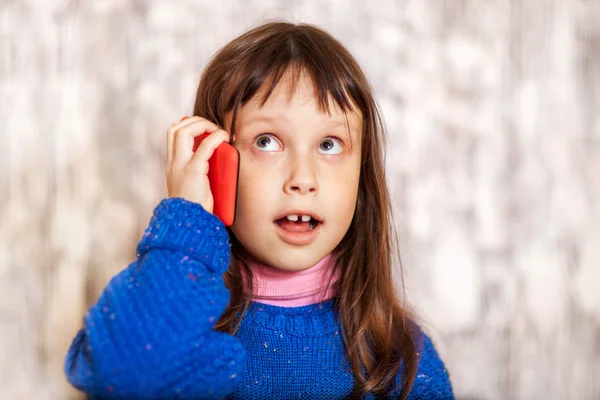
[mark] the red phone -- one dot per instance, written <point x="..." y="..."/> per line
<point x="223" y="173"/>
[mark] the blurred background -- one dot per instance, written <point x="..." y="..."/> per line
<point x="492" y="110"/>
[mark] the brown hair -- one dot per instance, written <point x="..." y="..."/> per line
<point x="378" y="332"/>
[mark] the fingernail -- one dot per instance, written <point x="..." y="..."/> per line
<point x="184" y="118"/>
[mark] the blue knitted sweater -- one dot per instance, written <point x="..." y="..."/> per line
<point x="150" y="335"/>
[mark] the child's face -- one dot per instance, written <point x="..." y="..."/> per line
<point x="290" y="159"/>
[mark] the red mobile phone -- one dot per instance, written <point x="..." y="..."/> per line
<point x="223" y="173"/>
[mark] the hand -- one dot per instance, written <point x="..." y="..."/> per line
<point x="187" y="172"/>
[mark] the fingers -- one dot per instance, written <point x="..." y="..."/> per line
<point x="182" y="140"/>
<point x="185" y="121"/>
<point x="206" y="149"/>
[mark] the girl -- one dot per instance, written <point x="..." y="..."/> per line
<point x="295" y="299"/>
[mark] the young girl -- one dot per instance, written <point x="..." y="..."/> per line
<point x="296" y="298"/>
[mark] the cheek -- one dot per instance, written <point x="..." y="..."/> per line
<point x="255" y="182"/>
<point x="345" y="180"/>
<point x="251" y="206"/>
<point x="254" y="206"/>
<point x="340" y="192"/>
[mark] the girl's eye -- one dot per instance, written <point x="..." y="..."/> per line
<point x="266" y="142"/>
<point x="329" y="144"/>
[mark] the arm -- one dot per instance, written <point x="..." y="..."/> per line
<point x="150" y="335"/>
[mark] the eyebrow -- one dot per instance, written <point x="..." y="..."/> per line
<point x="269" y="118"/>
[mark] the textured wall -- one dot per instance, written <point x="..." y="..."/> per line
<point x="492" y="109"/>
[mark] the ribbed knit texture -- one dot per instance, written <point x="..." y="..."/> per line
<point x="293" y="288"/>
<point x="150" y="335"/>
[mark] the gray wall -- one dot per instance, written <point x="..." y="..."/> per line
<point x="492" y="111"/>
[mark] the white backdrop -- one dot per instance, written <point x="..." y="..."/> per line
<point x="494" y="164"/>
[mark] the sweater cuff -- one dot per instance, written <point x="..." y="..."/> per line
<point x="181" y="225"/>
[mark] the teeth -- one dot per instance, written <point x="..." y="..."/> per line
<point x="295" y="217"/>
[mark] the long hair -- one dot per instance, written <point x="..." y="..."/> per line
<point x="378" y="332"/>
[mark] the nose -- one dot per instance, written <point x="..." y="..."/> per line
<point x="302" y="178"/>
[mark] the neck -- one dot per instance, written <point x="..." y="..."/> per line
<point x="294" y="288"/>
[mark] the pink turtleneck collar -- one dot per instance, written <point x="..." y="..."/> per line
<point x="294" y="289"/>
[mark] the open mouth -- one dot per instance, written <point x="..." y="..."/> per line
<point x="296" y="224"/>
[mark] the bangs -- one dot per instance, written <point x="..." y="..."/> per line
<point x="324" y="88"/>
<point x="260" y="71"/>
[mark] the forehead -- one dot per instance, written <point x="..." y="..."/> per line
<point x="299" y="100"/>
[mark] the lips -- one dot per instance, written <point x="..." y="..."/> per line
<point x="294" y="230"/>
<point x="296" y="226"/>
<point x="297" y="233"/>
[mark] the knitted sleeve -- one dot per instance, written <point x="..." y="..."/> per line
<point x="432" y="381"/>
<point x="150" y="335"/>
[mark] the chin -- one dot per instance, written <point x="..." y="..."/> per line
<point x="280" y="255"/>
<point x="294" y="261"/>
